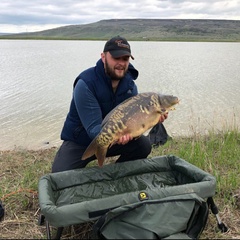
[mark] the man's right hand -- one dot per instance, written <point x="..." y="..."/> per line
<point x="124" y="139"/>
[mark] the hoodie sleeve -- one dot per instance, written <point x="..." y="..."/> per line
<point x="88" y="109"/>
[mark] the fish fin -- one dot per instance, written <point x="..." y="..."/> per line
<point x="112" y="144"/>
<point x="101" y="155"/>
<point x="90" y="151"/>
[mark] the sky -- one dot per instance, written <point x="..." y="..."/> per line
<point x="37" y="15"/>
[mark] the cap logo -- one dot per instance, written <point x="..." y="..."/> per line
<point x="121" y="44"/>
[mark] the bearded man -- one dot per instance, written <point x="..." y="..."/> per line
<point x="96" y="92"/>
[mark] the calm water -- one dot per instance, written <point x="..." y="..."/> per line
<point x="36" y="80"/>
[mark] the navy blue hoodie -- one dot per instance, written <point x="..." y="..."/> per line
<point x="93" y="98"/>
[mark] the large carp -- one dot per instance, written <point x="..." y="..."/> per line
<point x="134" y="116"/>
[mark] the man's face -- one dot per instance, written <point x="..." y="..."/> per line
<point x="115" y="68"/>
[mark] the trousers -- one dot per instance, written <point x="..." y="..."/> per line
<point x="70" y="153"/>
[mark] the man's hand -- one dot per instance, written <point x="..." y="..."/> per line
<point x="124" y="139"/>
<point x="163" y="117"/>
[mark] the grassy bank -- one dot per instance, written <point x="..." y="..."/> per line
<point x="217" y="153"/>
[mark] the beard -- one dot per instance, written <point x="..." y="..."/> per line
<point x="113" y="73"/>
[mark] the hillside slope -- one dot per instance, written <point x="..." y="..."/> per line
<point x="145" y="29"/>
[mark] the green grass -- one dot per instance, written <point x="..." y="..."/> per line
<point x="216" y="153"/>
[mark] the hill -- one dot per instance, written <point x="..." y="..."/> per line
<point x="143" y="29"/>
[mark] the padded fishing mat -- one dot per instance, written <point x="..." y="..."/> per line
<point x="82" y="195"/>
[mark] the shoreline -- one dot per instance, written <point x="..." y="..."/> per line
<point x="34" y="149"/>
<point x="50" y="146"/>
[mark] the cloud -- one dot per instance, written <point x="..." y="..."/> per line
<point x="19" y="15"/>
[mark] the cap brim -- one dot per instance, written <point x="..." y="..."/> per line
<point x="120" y="53"/>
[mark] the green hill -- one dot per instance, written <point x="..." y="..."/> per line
<point x="143" y="29"/>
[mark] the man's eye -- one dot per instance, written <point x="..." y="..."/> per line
<point x="125" y="58"/>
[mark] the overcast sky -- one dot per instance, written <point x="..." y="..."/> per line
<point x="36" y="15"/>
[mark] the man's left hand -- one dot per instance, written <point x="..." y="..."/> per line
<point x="163" y="117"/>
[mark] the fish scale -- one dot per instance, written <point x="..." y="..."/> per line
<point x="134" y="116"/>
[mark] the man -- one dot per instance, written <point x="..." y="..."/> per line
<point x="96" y="92"/>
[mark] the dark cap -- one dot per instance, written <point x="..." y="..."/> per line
<point x="118" y="47"/>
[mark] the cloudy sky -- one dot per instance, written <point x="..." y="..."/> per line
<point x="36" y="15"/>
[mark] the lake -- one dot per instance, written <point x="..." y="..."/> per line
<point x="36" y="78"/>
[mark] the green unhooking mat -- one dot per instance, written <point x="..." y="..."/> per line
<point x="82" y="195"/>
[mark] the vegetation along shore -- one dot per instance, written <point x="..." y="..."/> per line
<point x="217" y="153"/>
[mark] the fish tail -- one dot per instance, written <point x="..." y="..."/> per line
<point x="101" y="155"/>
<point x="90" y="151"/>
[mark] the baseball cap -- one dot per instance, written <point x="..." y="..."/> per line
<point x="118" y="47"/>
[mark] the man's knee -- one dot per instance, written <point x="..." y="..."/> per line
<point x="145" y="146"/>
<point x="68" y="157"/>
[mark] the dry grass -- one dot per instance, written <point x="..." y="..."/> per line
<point x="19" y="174"/>
<point x="20" y="171"/>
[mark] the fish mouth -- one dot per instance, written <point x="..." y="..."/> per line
<point x="177" y="102"/>
<point x="172" y="107"/>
